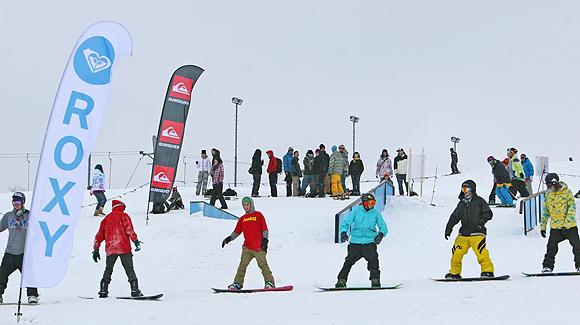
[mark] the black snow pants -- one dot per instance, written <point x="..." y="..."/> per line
<point x="11" y="263"/>
<point x="557" y="236"/>
<point x="355" y="253"/>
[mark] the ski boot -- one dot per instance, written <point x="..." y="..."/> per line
<point x="101" y="213"/>
<point x="487" y="274"/>
<point x="546" y="269"/>
<point x="375" y="283"/>
<point x="1" y="300"/>
<point x="341" y="283"/>
<point x="234" y="287"/>
<point x="135" y="292"/>
<point x="96" y="214"/>
<point x="32" y="299"/>
<point x="452" y="276"/>
<point x="104" y="292"/>
<point x="269" y="285"/>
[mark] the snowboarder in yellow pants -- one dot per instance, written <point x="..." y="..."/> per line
<point x="461" y="247"/>
<point x="473" y="212"/>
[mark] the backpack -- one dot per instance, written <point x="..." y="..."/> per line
<point x="278" y="165"/>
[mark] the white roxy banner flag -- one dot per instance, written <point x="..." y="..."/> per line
<point x="77" y="114"/>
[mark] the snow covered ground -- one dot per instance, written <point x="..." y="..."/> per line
<point x="182" y="258"/>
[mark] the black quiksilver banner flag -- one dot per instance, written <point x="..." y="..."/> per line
<point x="171" y="131"/>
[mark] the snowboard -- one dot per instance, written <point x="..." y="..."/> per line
<point x="501" y="277"/>
<point x="550" y="274"/>
<point x="502" y="207"/>
<point x="396" y="286"/>
<point x="284" y="288"/>
<point x="28" y="304"/>
<point x="152" y="297"/>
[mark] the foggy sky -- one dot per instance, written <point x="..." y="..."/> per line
<point x="494" y="73"/>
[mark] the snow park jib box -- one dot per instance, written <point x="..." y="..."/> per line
<point x="210" y="211"/>
<point x="380" y="192"/>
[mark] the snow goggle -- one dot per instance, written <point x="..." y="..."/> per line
<point x="16" y="202"/>
<point x="370" y="203"/>
<point x="551" y="184"/>
<point x="465" y="189"/>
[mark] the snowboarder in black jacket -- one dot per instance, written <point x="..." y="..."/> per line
<point x="256" y="171"/>
<point x="473" y="213"/>
<point x="355" y="170"/>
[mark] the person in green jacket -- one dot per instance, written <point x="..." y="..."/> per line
<point x="560" y="209"/>
<point x="517" y="174"/>
<point x="363" y="222"/>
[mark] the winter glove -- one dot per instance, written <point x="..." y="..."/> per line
<point x="343" y="237"/>
<point x="137" y="245"/>
<point x="96" y="255"/>
<point x="265" y="244"/>
<point x="379" y="238"/>
<point x="447" y="236"/>
<point x="543" y="233"/>
<point x="226" y="241"/>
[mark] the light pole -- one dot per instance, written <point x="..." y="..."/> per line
<point x="237" y="101"/>
<point x="354" y="120"/>
<point x="455" y="141"/>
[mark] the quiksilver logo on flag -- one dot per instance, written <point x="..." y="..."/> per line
<point x="180" y="88"/>
<point x="170" y="133"/>
<point x="161" y="178"/>
<point x="96" y="61"/>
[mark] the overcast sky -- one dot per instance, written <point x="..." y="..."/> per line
<point x="494" y="73"/>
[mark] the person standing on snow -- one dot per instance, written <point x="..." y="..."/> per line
<point x="502" y="182"/>
<point x="310" y="178"/>
<point x="16" y="221"/>
<point x="203" y="173"/>
<point x="217" y="179"/>
<point x="517" y="174"/>
<point x="560" y="209"/>
<point x="116" y="230"/>
<point x="256" y="171"/>
<point x="344" y="153"/>
<point x="400" y="165"/>
<point x="529" y="172"/>
<point x="384" y="167"/>
<point x="335" y="168"/>
<point x="97" y="189"/>
<point x="454" y="161"/>
<point x="253" y="225"/>
<point x="272" y="171"/>
<point x="473" y="213"/>
<point x="363" y="222"/>
<point x="296" y="174"/>
<point x="325" y="176"/>
<point x="355" y="170"/>
<point x="287" y="162"/>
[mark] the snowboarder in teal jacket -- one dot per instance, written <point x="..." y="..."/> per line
<point x="363" y="222"/>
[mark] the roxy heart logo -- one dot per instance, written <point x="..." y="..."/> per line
<point x="162" y="177"/>
<point x="171" y="132"/>
<point x="96" y="61"/>
<point x="93" y="60"/>
<point x="181" y="87"/>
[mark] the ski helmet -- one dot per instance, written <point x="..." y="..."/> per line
<point x="368" y="201"/>
<point x="19" y="196"/>
<point x="552" y="178"/>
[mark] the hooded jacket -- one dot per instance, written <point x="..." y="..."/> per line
<point x="500" y="174"/>
<point x="473" y="214"/>
<point x="559" y="208"/>
<point x="337" y="162"/>
<point x="400" y="164"/>
<point x="528" y="168"/>
<point x="309" y="164"/>
<point x="296" y="170"/>
<point x="272" y="162"/>
<point x="116" y="230"/>
<point x="363" y="225"/>
<point x="257" y="163"/>
<point x="253" y="226"/>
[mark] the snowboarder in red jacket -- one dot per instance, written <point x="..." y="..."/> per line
<point x="253" y="226"/>
<point x="117" y="231"/>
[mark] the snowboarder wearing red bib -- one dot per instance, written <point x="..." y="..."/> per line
<point x="253" y="226"/>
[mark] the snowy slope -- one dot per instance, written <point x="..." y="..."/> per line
<point x="182" y="258"/>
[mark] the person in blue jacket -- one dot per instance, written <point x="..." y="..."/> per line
<point x="528" y="171"/>
<point x="363" y="222"/>
<point x="287" y="163"/>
